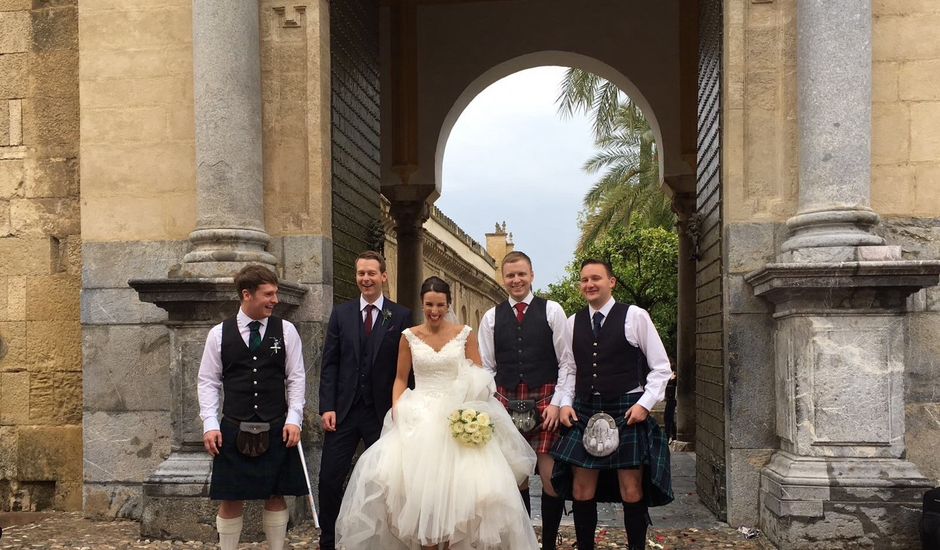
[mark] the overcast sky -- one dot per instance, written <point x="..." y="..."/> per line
<point x="511" y="158"/>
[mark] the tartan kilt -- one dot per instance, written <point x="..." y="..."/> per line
<point x="540" y="440"/>
<point x="641" y="445"/>
<point x="276" y="472"/>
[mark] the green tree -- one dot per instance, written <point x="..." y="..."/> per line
<point x="645" y="262"/>
<point x="627" y="158"/>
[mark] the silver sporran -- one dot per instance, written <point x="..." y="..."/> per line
<point x="601" y="436"/>
<point x="524" y="415"/>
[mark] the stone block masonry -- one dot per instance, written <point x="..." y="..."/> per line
<point x="40" y="275"/>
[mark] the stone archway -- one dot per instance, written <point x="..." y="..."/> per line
<point x="541" y="59"/>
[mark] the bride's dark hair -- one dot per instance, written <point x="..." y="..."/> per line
<point x="435" y="284"/>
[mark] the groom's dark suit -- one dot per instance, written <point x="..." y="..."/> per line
<point x="356" y="383"/>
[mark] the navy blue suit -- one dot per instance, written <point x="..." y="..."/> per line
<point x="356" y="381"/>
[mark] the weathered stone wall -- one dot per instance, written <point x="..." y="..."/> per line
<point x="40" y="242"/>
<point x="138" y="154"/>
<point x="138" y="193"/>
<point x="905" y="191"/>
<point x="760" y="178"/>
<point x="906" y="108"/>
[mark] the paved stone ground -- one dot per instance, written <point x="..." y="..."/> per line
<point x="62" y="531"/>
<point x="683" y="525"/>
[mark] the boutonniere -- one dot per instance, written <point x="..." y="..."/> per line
<point x="276" y="346"/>
<point x="386" y="317"/>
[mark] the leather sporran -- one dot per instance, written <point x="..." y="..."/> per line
<point x="601" y="436"/>
<point x="253" y="438"/>
<point x="523" y="413"/>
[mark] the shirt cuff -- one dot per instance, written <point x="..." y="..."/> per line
<point x="210" y="424"/>
<point x="294" y="418"/>
<point x="647" y="401"/>
<point x="566" y="401"/>
<point x="556" y="399"/>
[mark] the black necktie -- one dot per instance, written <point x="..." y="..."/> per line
<point x="598" y="317"/>
<point x="254" y="337"/>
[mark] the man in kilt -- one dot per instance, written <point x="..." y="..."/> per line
<point x="621" y="369"/>
<point x="523" y="340"/>
<point x="255" y="361"/>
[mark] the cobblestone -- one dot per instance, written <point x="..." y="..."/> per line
<point x="60" y="531"/>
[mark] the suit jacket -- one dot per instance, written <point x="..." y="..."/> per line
<point x="341" y="357"/>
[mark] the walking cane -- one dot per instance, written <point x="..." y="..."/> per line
<point x="313" y="507"/>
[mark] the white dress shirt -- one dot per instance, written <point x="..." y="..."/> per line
<point x="640" y="332"/>
<point x="379" y="303"/>
<point x="561" y="339"/>
<point x="210" y="372"/>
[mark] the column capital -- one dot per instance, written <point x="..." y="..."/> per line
<point x="409" y="215"/>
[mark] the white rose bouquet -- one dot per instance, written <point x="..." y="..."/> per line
<point x="471" y="428"/>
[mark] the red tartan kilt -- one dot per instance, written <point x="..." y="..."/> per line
<point x="540" y="439"/>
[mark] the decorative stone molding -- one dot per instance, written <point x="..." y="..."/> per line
<point x="287" y="22"/>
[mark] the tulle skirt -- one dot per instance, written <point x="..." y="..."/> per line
<point x="417" y="486"/>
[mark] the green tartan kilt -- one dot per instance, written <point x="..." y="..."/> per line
<point x="641" y="445"/>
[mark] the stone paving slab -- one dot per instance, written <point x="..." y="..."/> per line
<point x="683" y="525"/>
<point x="71" y="531"/>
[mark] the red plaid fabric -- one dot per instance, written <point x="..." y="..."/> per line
<point x="540" y="439"/>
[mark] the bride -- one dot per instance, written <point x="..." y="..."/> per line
<point x="418" y="486"/>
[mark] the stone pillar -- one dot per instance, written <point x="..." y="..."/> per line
<point x="684" y="207"/>
<point x="230" y="234"/>
<point x="834" y="87"/>
<point x="227" y="92"/>
<point x="409" y="219"/>
<point x="839" y="478"/>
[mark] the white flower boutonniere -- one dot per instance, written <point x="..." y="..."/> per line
<point x="386" y="317"/>
<point x="276" y="346"/>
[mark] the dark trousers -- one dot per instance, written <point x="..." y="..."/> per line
<point x="360" y="424"/>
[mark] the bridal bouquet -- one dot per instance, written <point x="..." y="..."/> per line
<point x="471" y="428"/>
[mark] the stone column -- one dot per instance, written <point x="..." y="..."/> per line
<point x="839" y="478"/>
<point x="229" y="234"/>
<point x="227" y="92"/>
<point x="684" y="207"/>
<point x="409" y="219"/>
<point x="834" y="87"/>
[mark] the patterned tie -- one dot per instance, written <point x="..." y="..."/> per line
<point x="367" y="323"/>
<point x="598" y="317"/>
<point x="254" y="337"/>
<point x="520" y="312"/>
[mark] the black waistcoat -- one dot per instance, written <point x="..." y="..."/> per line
<point x="609" y="364"/>
<point x="526" y="352"/>
<point x="253" y="382"/>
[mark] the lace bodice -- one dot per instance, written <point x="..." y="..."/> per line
<point x="436" y="369"/>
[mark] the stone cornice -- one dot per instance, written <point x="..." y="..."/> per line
<point x="782" y="282"/>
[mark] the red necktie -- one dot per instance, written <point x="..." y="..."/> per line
<point x="520" y="312"/>
<point x="367" y="324"/>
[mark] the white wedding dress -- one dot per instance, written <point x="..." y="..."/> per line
<point x="418" y="486"/>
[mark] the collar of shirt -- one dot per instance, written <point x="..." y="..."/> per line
<point x="605" y="309"/>
<point x="378" y="303"/>
<point x="527" y="301"/>
<point x="243" y="320"/>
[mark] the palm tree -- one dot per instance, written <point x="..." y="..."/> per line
<point x="628" y="191"/>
